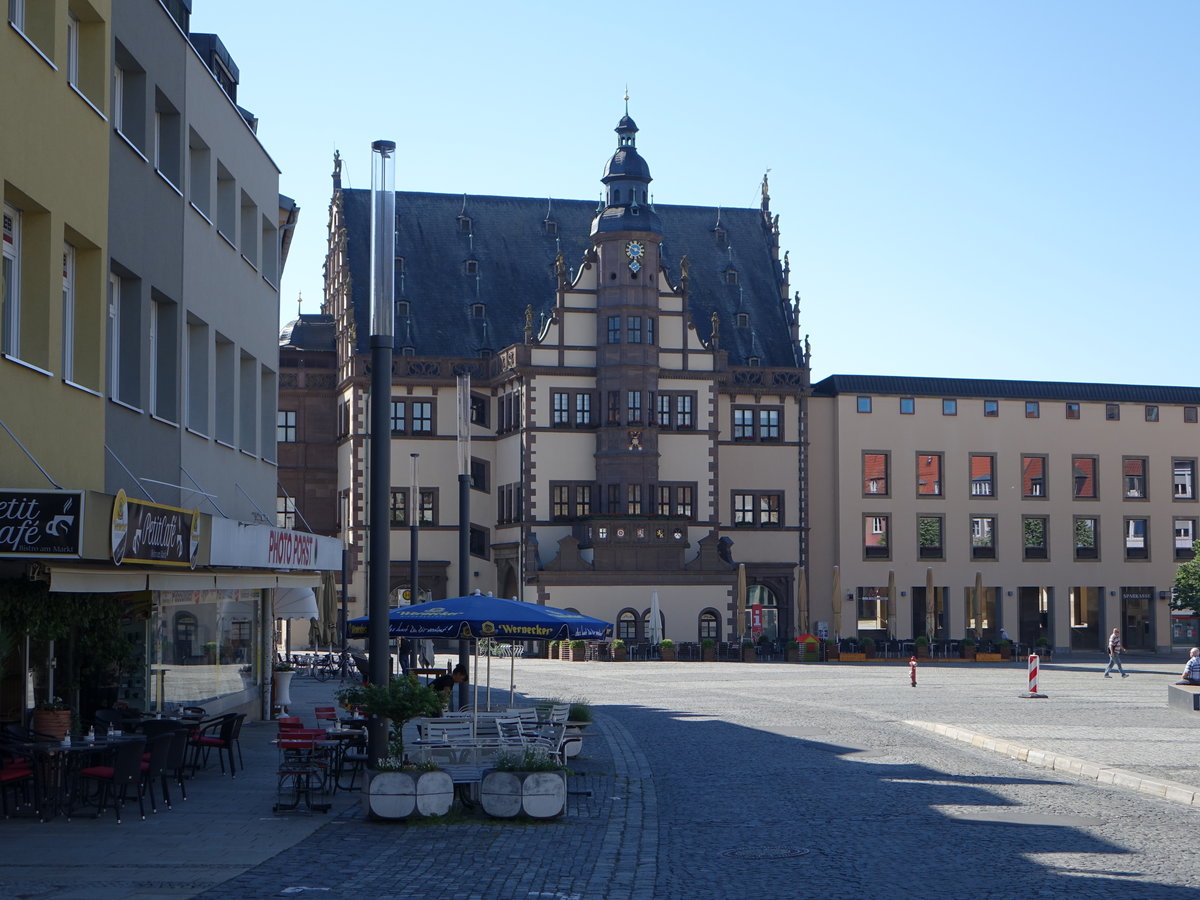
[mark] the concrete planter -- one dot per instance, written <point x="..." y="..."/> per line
<point x="408" y="795"/>
<point x="667" y="654"/>
<point x="852" y="657"/>
<point x="748" y="654"/>
<point x="987" y="657"/>
<point x="708" y="654"/>
<point x="537" y="795"/>
<point x="922" y="651"/>
<point x="792" y="654"/>
<point x="620" y="654"/>
<point x="966" y="652"/>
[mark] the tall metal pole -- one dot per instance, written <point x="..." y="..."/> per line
<point x="464" y="515"/>
<point x="414" y="556"/>
<point x="383" y="292"/>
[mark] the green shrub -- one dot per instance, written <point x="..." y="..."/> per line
<point x="867" y="644"/>
<point x="708" y="644"/>
<point x="530" y="759"/>
<point x="666" y="644"/>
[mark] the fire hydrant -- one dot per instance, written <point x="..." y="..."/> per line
<point x="912" y="670"/>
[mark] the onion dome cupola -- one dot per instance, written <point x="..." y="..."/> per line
<point x="627" y="187"/>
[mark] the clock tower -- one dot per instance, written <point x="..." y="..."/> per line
<point x="627" y="236"/>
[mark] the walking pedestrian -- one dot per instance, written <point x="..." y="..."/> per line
<point x="1115" y="649"/>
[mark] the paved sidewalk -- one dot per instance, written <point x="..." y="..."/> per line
<point x="722" y="721"/>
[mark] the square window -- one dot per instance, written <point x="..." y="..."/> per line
<point x="864" y="404"/>
<point x="1151" y="413"/>
<point x="1189" y="415"/>
<point x="1112" y="412"/>
<point x="1032" y="409"/>
<point x="907" y="406"/>
<point x="1072" y="410"/>
<point x="991" y="408"/>
<point x="949" y="407"/>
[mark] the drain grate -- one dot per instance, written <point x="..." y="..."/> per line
<point x="757" y="852"/>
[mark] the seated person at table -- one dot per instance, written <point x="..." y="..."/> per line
<point x="1191" y="671"/>
<point x="443" y="683"/>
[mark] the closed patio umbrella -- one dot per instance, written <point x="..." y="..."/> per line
<point x="740" y="616"/>
<point x="930" y="606"/>
<point x="801" y="601"/>
<point x="654" y="632"/>
<point x="977" y="605"/>
<point x="890" y="611"/>
<point x="837" y="603"/>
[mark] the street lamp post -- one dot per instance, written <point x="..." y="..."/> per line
<point x="383" y="249"/>
<point x="464" y="514"/>
<point x="414" y="557"/>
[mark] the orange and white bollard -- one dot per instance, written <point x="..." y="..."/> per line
<point x="1033" y="679"/>
<point x="912" y="670"/>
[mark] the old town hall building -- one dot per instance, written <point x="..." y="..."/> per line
<point x="642" y="421"/>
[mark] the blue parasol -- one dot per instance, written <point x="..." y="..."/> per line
<point x="479" y="616"/>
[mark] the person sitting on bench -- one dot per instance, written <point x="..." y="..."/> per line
<point x="1191" y="672"/>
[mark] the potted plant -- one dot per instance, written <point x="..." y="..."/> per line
<point x="52" y="717"/>
<point x="967" y="648"/>
<point x="747" y="651"/>
<point x="868" y="647"/>
<point x="210" y="652"/>
<point x="578" y="651"/>
<point x="922" y="643"/>
<point x="618" y="652"/>
<point x="708" y="650"/>
<point x="1043" y="648"/>
<point x="281" y="685"/>
<point x="792" y="651"/>
<point x="529" y="782"/>
<point x="1005" y="648"/>
<point x="666" y="650"/>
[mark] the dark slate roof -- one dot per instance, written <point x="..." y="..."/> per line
<point x="995" y="389"/>
<point x="309" y="332"/>
<point x="515" y="259"/>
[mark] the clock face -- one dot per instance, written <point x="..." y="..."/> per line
<point x="635" y="250"/>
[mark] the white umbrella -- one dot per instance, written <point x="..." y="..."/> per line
<point x="654" y="629"/>
<point x="739" y="619"/>
<point x="890" y="609"/>
<point x="837" y="603"/>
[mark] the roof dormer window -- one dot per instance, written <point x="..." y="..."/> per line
<point x="471" y="266"/>
<point x="753" y="361"/>
<point x="408" y="351"/>
<point x="478" y="310"/>
<point x="399" y="264"/>
<point x="402" y="308"/>
<point x="464" y="224"/>
<point x="721" y="236"/>
<point x="551" y="226"/>
<point x="731" y="276"/>
<point x="742" y="320"/>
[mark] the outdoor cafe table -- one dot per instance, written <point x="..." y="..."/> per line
<point x="55" y="767"/>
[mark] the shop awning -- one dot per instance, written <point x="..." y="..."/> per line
<point x="95" y="581"/>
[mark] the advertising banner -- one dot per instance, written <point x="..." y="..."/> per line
<point x="266" y="547"/>
<point x="41" y="523"/>
<point x="154" y="534"/>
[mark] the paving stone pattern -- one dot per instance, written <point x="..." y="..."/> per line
<point x="724" y="780"/>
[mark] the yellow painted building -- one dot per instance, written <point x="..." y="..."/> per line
<point x="55" y="56"/>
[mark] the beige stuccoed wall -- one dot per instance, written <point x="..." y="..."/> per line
<point x="837" y="505"/>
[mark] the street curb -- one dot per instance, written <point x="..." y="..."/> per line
<point x="1168" y="790"/>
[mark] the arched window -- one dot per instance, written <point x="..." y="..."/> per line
<point x="761" y="595"/>
<point x="627" y="625"/>
<point x="710" y="626"/>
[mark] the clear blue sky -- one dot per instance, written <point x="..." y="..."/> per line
<point x="967" y="189"/>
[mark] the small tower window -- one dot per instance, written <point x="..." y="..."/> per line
<point x="485" y="353"/>
<point x="720" y="235"/>
<point x="402" y="307"/>
<point x="551" y="227"/>
<point x="753" y="361"/>
<point x="742" y="320"/>
<point x="477" y="310"/>
<point x="464" y="224"/>
<point x="408" y="351"/>
<point x="616" y="197"/>
<point x="471" y="266"/>
<point x="399" y="263"/>
<point x="731" y="276"/>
